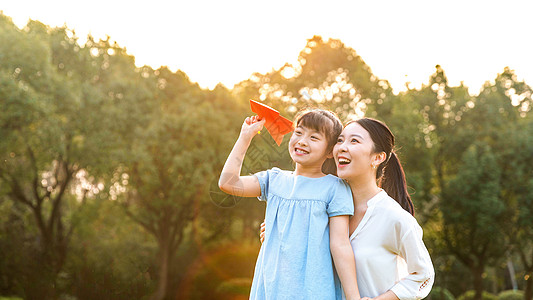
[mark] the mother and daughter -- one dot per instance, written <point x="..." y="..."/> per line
<point x="329" y="237"/>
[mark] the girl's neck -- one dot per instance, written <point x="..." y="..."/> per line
<point x="363" y="189"/>
<point x="309" y="171"/>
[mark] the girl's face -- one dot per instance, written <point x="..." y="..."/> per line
<point x="308" y="147"/>
<point x="354" y="153"/>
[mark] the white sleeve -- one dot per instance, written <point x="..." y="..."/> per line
<point x="418" y="283"/>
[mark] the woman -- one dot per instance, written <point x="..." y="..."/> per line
<point x="391" y="259"/>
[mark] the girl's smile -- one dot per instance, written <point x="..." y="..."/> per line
<point x="300" y="151"/>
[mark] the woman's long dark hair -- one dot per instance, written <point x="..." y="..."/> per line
<point x="327" y="123"/>
<point x="389" y="173"/>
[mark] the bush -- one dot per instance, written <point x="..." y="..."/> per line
<point x="438" y="293"/>
<point x="10" y="298"/>
<point x="225" y="273"/>
<point x="469" y="295"/>
<point x="511" y="295"/>
<point x="235" y="286"/>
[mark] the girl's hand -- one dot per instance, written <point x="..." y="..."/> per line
<point x="251" y="126"/>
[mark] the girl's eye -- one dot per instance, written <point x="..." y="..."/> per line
<point x="355" y="141"/>
<point x="339" y="141"/>
<point x="314" y="137"/>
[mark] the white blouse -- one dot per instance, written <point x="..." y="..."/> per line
<point x="389" y="252"/>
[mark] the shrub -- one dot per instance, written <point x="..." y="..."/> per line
<point x="236" y="286"/>
<point x="439" y="293"/>
<point x="511" y="295"/>
<point x="225" y="273"/>
<point x="469" y="295"/>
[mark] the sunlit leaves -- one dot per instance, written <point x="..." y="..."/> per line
<point x="328" y="75"/>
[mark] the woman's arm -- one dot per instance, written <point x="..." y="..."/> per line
<point x="230" y="180"/>
<point x="418" y="283"/>
<point x="342" y="253"/>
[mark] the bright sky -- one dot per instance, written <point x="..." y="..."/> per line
<point x="226" y="41"/>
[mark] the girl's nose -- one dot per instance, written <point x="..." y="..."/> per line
<point x="302" y="142"/>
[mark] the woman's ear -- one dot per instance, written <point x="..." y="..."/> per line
<point x="379" y="158"/>
<point x="330" y="154"/>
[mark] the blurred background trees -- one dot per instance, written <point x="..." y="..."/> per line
<point x="108" y="171"/>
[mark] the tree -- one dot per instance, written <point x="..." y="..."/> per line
<point x="55" y="124"/>
<point x="443" y="108"/>
<point x="521" y="194"/>
<point x="171" y="162"/>
<point x="471" y="207"/>
<point x="39" y="147"/>
<point x="516" y="153"/>
<point x="329" y="75"/>
<point x="477" y="196"/>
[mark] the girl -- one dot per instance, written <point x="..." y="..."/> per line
<point x="295" y="259"/>
<point x="392" y="260"/>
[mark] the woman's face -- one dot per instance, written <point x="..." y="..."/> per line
<point x="354" y="153"/>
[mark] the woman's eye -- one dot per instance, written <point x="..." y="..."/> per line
<point x="314" y="137"/>
<point x="339" y="140"/>
<point x="355" y="141"/>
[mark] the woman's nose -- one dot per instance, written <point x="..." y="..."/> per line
<point x="342" y="147"/>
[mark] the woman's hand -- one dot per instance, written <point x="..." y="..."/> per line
<point x="262" y="232"/>
<point x="251" y="126"/>
<point x="388" y="295"/>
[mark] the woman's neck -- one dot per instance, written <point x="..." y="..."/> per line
<point x="363" y="189"/>
<point x="309" y="171"/>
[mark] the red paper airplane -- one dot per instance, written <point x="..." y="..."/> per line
<point x="276" y="125"/>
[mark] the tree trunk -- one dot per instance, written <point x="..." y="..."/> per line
<point x="528" y="294"/>
<point x="163" y="263"/>
<point x="477" y="272"/>
<point x="512" y="274"/>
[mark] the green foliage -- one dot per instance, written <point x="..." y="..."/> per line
<point x="56" y="137"/>
<point x="111" y="256"/>
<point x="476" y="181"/>
<point x="439" y="293"/>
<point x="511" y="295"/>
<point x="469" y="295"/>
<point x="518" y="182"/>
<point x="473" y="138"/>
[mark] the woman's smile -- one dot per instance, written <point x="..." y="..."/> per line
<point x="342" y="161"/>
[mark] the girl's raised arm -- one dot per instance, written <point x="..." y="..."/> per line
<point x="231" y="181"/>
